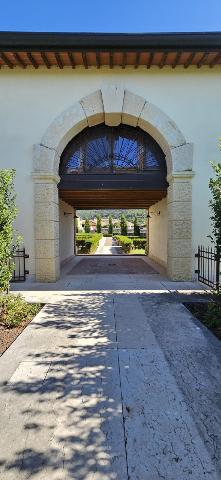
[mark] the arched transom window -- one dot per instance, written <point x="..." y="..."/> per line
<point x="112" y="150"/>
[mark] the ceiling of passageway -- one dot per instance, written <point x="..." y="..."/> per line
<point x="112" y="198"/>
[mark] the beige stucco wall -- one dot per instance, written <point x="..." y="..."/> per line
<point x="158" y="232"/>
<point x="30" y="100"/>
<point x="66" y="231"/>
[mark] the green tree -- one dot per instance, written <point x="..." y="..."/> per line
<point x="110" y="225"/>
<point x="8" y="239"/>
<point x="215" y="204"/>
<point x="136" y="227"/>
<point x="87" y="226"/>
<point x="123" y="225"/>
<point x="98" y="224"/>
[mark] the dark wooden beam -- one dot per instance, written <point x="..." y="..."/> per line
<point x="189" y="60"/>
<point x="45" y="60"/>
<point x="163" y="59"/>
<point x="124" y="60"/>
<point x="150" y="60"/>
<point x="137" y="61"/>
<point x="58" y="60"/>
<point x="32" y="60"/>
<point x="19" y="60"/>
<point x="203" y="58"/>
<point x="71" y="58"/>
<point x="177" y="58"/>
<point x="6" y="60"/>
<point x="215" y="59"/>
<point x="111" y="56"/>
<point x="84" y="56"/>
<point x="98" y="62"/>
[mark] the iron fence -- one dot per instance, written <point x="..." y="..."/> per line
<point x="208" y="270"/>
<point x="19" y="272"/>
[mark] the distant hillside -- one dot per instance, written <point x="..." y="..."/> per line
<point x="129" y="214"/>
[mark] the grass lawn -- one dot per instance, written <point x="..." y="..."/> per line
<point x="137" y="251"/>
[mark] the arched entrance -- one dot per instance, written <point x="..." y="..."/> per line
<point x="113" y="106"/>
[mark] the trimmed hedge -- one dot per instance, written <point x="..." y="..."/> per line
<point x="139" y="243"/>
<point x="125" y="243"/>
<point x="129" y="243"/>
<point x="87" y="242"/>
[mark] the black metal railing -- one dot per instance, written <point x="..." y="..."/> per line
<point x="18" y="260"/>
<point x="208" y="269"/>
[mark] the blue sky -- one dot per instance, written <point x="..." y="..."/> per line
<point x="110" y="15"/>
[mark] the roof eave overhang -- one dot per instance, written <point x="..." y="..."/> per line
<point x="35" y="41"/>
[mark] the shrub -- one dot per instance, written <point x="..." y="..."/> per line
<point x="14" y="309"/>
<point x="136" y="227"/>
<point x="125" y="243"/>
<point x="139" y="243"/>
<point x="87" y="243"/>
<point x="212" y="317"/>
<point x="110" y="225"/>
<point x="123" y="225"/>
<point x="87" y="226"/>
<point x="98" y="224"/>
<point x="8" y="213"/>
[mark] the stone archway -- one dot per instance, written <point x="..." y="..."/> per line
<point x="113" y="105"/>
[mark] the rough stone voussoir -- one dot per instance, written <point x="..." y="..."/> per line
<point x="113" y="97"/>
<point x="93" y="108"/>
<point x="44" y="159"/>
<point x="132" y="108"/>
<point x="182" y="157"/>
<point x="161" y="127"/>
<point x="65" y="127"/>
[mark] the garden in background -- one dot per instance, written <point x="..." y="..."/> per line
<point x="127" y="229"/>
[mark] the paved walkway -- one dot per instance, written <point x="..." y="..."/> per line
<point x="108" y="246"/>
<point x="113" y="380"/>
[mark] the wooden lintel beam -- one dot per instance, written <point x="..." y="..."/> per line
<point x="203" y="58"/>
<point x="84" y="56"/>
<point x="98" y="62"/>
<point x="163" y="59"/>
<point x="177" y="58"/>
<point x="150" y="60"/>
<point x="45" y="60"/>
<point x="215" y="59"/>
<point x="32" y="60"/>
<point x="58" y="60"/>
<point x="19" y="60"/>
<point x="71" y="58"/>
<point x="6" y="60"/>
<point x="189" y="60"/>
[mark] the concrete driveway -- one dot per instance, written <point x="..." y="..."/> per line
<point x="113" y="379"/>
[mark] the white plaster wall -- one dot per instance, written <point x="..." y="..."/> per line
<point x="30" y="100"/>
<point x="66" y="231"/>
<point x="158" y="232"/>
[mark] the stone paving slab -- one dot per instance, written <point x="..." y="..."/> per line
<point x="194" y="356"/>
<point x="111" y="265"/>
<point x="113" y="382"/>
<point x="72" y="418"/>
<point x="162" y="438"/>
